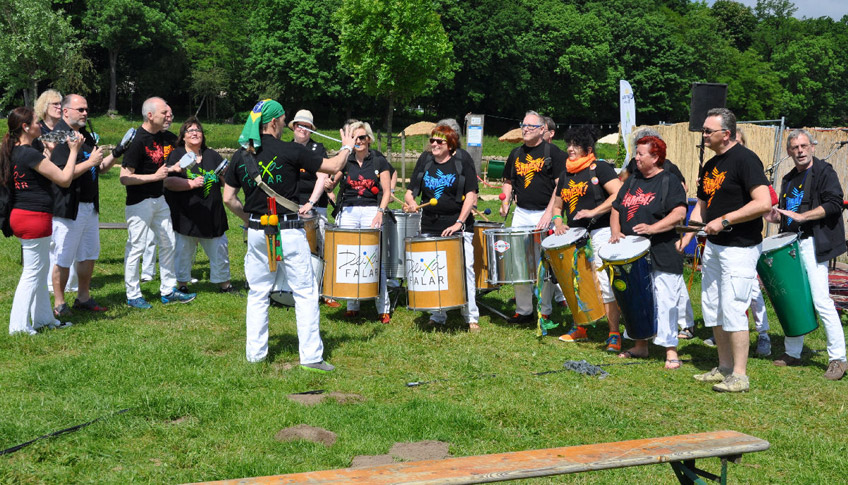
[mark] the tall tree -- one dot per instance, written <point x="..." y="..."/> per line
<point x="395" y="49"/>
<point x="121" y="25"/>
<point x="38" y="44"/>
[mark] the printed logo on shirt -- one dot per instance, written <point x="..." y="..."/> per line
<point x="440" y="182"/>
<point x="634" y="201"/>
<point x="209" y="178"/>
<point x="361" y="185"/>
<point x="158" y="153"/>
<point x="20" y="183"/>
<point x="529" y="168"/>
<point x="268" y="170"/>
<point x="712" y="182"/>
<point x="793" y="202"/>
<point x="572" y="194"/>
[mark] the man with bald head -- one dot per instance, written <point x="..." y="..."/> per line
<point x="143" y="172"/>
<point x="76" y="233"/>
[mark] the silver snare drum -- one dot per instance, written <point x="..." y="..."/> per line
<point x="394" y="235"/>
<point x="514" y="254"/>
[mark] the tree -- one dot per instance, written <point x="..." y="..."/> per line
<point x="120" y="25"/>
<point x="395" y="49"/>
<point x="736" y="22"/>
<point x="38" y="44"/>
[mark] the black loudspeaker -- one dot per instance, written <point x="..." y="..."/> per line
<point x="705" y="96"/>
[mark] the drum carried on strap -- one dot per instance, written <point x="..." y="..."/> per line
<point x="633" y="285"/>
<point x="481" y="255"/>
<point x="787" y="285"/>
<point x="281" y="292"/>
<point x="435" y="272"/>
<point x="394" y="234"/>
<point x="352" y="259"/>
<point x="514" y="254"/>
<point x="570" y="258"/>
<point x="310" y="225"/>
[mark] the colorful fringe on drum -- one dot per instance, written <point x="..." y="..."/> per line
<point x="590" y="257"/>
<point x="542" y="323"/>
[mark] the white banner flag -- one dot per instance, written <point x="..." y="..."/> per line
<point x="628" y="115"/>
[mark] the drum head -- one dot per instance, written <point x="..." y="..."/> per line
<point x="630" y="247"/>
<point x="779" y="241"/>
<point x="571" y="236"/>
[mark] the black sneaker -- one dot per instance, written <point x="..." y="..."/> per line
<point x="519" y="318"/>
<point x="62" y="310"/>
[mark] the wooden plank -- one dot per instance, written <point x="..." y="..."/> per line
<point x="113" y="225"/>
<point x="532" y="463"/>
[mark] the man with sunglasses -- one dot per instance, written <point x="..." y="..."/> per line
<point x="733" y="195"/>
<point x="532" y="173"/>
<point x="76" y="232"/>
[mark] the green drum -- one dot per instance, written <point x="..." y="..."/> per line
<point x="495" y="169"/>
<point x="783" y="275"/>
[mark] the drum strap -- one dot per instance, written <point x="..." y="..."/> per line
<point x="252" y="167"/>
<point x="429" y="160"/>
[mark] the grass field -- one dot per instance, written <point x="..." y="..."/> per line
<point x="199" y="411"/>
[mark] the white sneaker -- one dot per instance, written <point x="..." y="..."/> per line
<point x="710" y="342"/>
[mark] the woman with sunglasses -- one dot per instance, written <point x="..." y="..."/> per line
<point x="437" y="176"/>
<point x="585" y="193"/>
<point x="30" y="176"/>
<point x="364" y="196"/>
<point x="197" y="209"/>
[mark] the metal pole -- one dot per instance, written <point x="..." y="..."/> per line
<point x="403" y="159"/>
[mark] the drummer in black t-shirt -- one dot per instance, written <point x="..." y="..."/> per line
<point x="585" y="193"/>
<point x="364" y="196"/>
<point x="311" y="191"/>
<point x="649" y="205"/>
<point x="531" y="173"/>
<point x="276" y="166"/>
<point x="733" y="195"/>
<point x="197" y="208"/>
<point x="436" y="176"/>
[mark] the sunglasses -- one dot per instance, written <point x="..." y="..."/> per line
<point x="437" y="141"/>
<point x="532" y="127"/>
<point x="361" y="137"/>
<point x="81" y="110"/>
<point x="708" y="131"/>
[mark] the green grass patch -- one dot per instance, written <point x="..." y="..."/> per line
<point x="199" y="411"/>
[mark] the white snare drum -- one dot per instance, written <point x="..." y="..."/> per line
<point x="281" y="292"/>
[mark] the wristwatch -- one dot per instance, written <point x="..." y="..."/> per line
<point x="725" y="223"/>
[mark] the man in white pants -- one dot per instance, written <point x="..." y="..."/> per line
<point x="732" y="197"/>
<point x="143" y="172"/>
<point x="531" y="173"/>
<point x="811" y="205"/>
<point x="277" y="164"/>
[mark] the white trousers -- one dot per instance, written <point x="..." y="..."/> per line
<point x="216" y="249"/>
<point x="31" y="307"/>
<point x="298" y="268"/>
<point x="360" y="217"/>
<point x="727" y="286"/>
<point x="668" y="297"/>
<point x="469" y="311"/>
<point x="685" y="315"/>
<point x="149" y="214"/>
<point x="524" y="291"/>
<point x="817" y="274"/>
<point x="148" y="258"/>
<point x="600" y="238"/>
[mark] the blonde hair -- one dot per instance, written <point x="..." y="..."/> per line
<point x="43" y="101"/>
<point x="365" y="126"/>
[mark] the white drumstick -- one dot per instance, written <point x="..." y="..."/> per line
<point x="320" y="134"/>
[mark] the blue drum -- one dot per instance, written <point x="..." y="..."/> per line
<point x="633" y="285"/>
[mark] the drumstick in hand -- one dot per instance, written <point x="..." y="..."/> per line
<point x="482" y="214"/>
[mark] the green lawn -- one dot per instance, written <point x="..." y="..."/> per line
<point x="199" y="411"/>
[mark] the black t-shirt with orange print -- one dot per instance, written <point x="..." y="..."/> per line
<point x="585" y="190"/>
<point x="725" y="185"/>
<point x="532" y="183"/>
<point x="147" y="152"/>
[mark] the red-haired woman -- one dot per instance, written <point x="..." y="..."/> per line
<point x="30" y="178"/>
<point x="438" y="177"/>
<point x="650" y="207"/>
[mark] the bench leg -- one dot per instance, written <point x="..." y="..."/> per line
<point x="688" y="474"/>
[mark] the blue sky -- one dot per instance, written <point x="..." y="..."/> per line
<point x="810" y="8"/>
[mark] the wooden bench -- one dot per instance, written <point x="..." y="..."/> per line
<point x="680" y="451"/>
